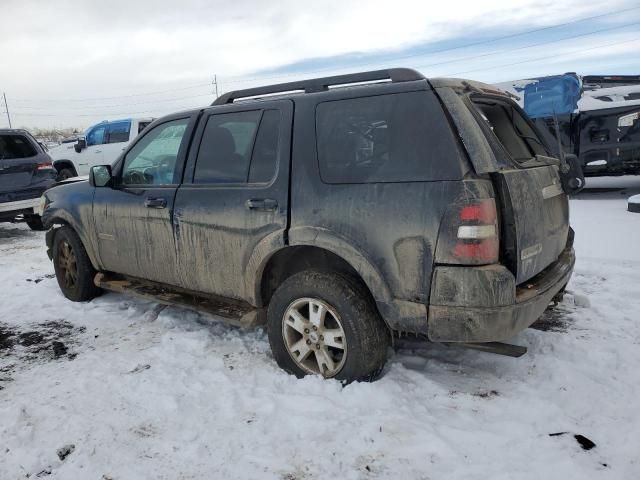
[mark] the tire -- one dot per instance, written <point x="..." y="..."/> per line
<point x="73" y="268"/>
<point x="65" y="173"/>
<point x="359" y="355"/>
<point x="35" y="223"/>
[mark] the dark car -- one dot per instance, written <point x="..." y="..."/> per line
<point x="343" y="211"/>
<point x="26" y="172"/>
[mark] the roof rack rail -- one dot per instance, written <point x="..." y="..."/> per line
<point x="322" y="84"/>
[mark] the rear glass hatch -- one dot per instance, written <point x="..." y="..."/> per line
<point x="534" y="208"/>
<point x="18" y="161"/>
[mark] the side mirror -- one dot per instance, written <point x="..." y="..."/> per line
<point x="571" y="175"/>
<point x="100" y="176"/>
<point x="80" y="144"/>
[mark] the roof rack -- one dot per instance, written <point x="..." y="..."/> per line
<point x="322" y="84"/>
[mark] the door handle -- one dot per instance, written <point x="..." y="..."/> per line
<point x="155" y="202"/>
<point x="263" y="204"/>
<point x="98" y="151"/>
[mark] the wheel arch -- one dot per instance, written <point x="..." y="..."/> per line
<point x="311" y="247"/>
<point x="60" y="219"/>
<point x="64" y="163"/>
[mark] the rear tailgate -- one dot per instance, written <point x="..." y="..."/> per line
<point x="535" y="214"/>
<point x="504" y="144"/>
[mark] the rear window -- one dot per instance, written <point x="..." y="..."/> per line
<point x="511" y="129"/>
<point x="401" y="137"/>
<point x="16" y="146"/>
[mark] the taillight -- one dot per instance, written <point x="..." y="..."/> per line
<point x="477" y="233"/>
<point x="44" y="166"/>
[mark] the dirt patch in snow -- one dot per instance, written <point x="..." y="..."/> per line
<point x="35" y="342"/>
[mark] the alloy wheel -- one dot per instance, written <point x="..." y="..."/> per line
<point x="67" y="264"/>
<point x="314" y="336"/>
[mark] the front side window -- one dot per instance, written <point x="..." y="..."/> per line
<point x="96" y="135"/>
<point x="225" y="150"/>
<point x="401" y="137"/>
<point x="118" y="132"/>
<point x="152" y="161"/>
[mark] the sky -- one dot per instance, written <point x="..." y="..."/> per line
<point x="72" y="63"/>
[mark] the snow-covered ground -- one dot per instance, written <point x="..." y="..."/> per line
<point x="145" y="392"/>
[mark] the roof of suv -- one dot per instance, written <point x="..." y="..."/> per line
<point x="315" y="85"/>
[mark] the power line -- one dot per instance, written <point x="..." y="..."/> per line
<point x="160" y="92"/>
<point x="546" y="57"/>
<point x="162" y="100"/>
<point x="421" y="54"/>
<point x="236" y="80"/>
<point x="524" y="47"/>
<point x="102" y="114"/>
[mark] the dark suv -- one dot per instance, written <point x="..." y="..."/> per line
<point x="25" y="173"/>
<point x="344" y="211"/>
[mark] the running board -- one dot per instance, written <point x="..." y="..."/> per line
<point x="498" y="348"/>
<point x="235" y="313"/>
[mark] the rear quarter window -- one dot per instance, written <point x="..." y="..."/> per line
<point x="16" y="146"/>
<point x="402" y="137"/>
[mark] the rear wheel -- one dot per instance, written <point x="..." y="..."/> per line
<point x="34" y="222"/>
<point x="325" y="323"/>
<point x="73" y="268"/>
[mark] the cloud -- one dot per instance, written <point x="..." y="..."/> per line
<point x="80" y="48"/>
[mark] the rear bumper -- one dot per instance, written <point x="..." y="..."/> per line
<point x="19" y="205"/>
<point x="490" y="307"/>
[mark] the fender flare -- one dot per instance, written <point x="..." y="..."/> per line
<point x="55" y="164"/>
<point x="313" y="237"/>
<point x="62" y="217"/>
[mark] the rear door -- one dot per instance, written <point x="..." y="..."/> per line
<point x="234" y="195"/>
<point x="535" y="209"/>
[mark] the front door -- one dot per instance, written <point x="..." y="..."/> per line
<point x="234" y="195"/>
<point x="92" y="154"/>
<point x="134" y="217"/>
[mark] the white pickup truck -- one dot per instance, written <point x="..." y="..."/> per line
<point x="101" y="144"/>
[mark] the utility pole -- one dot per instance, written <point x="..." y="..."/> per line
<point x="215" y="84"/>
<point x="6" y="107"/>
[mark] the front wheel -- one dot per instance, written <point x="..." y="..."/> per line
<point x="73" y="268"/>
<point x="325" y="323"/>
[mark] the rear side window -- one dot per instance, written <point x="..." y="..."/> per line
<point x="118" y="132"/>
<point x="238" y="147"/>
<point x="16" y="146"/>
<point x="266" y="150"/>
<point x="401" y="137"/>
<point x="511" y="129"/>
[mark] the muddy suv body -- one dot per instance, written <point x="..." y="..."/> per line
<point x="399" y="206"/>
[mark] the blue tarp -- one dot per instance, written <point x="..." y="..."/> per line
<point x="554" y="94"/>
